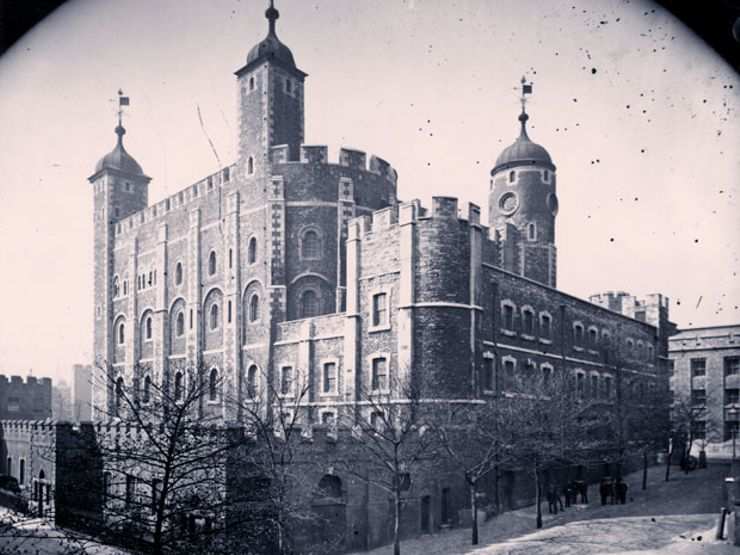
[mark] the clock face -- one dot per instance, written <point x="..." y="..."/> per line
<point x="508" y="203"/>
<point x="552" y="204"/>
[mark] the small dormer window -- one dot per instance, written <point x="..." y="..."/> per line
<point x="512" y="176"/>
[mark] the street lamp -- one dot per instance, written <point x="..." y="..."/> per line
<point x="733" y="412"/>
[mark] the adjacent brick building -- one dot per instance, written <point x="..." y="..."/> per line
<point x="706" y="373"/>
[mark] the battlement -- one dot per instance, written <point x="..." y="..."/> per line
<point x="348" y="158"/>
<point x="180" y="199"/>
<point x="30" y="380"/>
<point x="14" y="428"/>
<point x="411" y="212"/>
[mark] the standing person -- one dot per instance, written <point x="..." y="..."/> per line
<point x="552" y="507"/>
<point x="604" y="490"/>
<point x="583" y="490"/>
<point x="613" y="492"/>
<point x="568" y="494"/>
<point x="622" y="491"/>
<point x="558" y="499"/>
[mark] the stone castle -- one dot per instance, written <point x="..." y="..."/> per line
<point x="286" y="268"/>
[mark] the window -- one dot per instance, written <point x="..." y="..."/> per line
<point x="330" y="377"/>
<point x="228" y="312"/>
<point x="251" y="83"/>
<point x="605" y="338"/>
<point x="377" y="421"/>
<point x="151" y="278"/>
<point x="527" y="321"/>
<point x="379" y="378"/>
<point x="130" y="490"/>
<point x="650" y="352"/>
<point x="252" y="382"/>
<point x="213" y="385"/>
<point x="121" y="333"/>
<point x="698" y="397"/>
<point x="156" y="486"/>
<point x="732" y="366"/>
<point x="630" y="346"/>
<point x="288" y="86"/>
<point x="252" y="251"/>
<point x="178" y="386"/>
<point x="254" y="308"/>
<point x="214" y="316"/>
<point x="489" y="376"/>
<point x="286" y="380"/>
<point x="593" y="337"/>
<point x="212" y="263"/>
<point x="178" y="274"/>
<point x="231" y="258"/>
<point x="146" y="393"/>
<point x="148" y="328"/>
<point x="21" y="472"/>
<point x="546" y="375"/>
<point x="380" y="309"/>
<point x="732" y="396"/>
<point x="578" y="335"/>
<point x="250" y="166"/>
<point x="508" y="316"/>
<point x="594" y="386"/>
<point x="545" y="326"/>
<point x="180" y="324"/>
<point x="731" y="430"/>
<point x="532" y="231"/>
<point x="9" y="468"/>
<point x="116" y="287"/>
<point x="509" y="372"/>
<point x="125" y="287"/>
<point x="512" y="176"/>
<point x="640" y="350"/>
<point x="581" y="385"/>
<point x="311" y="245"/>
<point x="327" y="418"/>
<point x="309" y="305"/>
<point x="546" y="176"/>
<point x="607" y="387"/>
<point x="698" y="367"/>
<point x="119" y="396"/>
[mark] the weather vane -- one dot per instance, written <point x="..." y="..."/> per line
<point x="122" y="101"/>
<point x="526" y="89"/>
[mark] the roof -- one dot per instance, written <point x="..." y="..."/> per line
<point x="523" y="151"/>
<point x="119" y="159"/>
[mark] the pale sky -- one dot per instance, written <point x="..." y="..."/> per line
<point x="638" y="114"/>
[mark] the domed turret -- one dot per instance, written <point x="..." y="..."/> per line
<point x="523" y="151"/>
<point x="270" y="48"/>
<point x="118" y="159"/>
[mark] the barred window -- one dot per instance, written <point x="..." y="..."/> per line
<point x="379" y="376"/>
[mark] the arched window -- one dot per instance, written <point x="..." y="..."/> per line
<point x="512" y="176"/>
<point x="148" y="327"/>
<point x="309" y="304"/>
<point x="254" y="308"/>
<point x="116" y="287"/>
<point x="311" y="244"/>
<point x="180" y="325"/>
<point x="214" y="316"/>
<point x="146" y="392"/>
<point x="252" y="251"/>
<point x="330" y="486"/>
<point x="212" y="263"/>
<point x="252" y="382"/>
<point x="250" y="165"/>
<point x="213" y="385"/>
<point x="178" y="274"/>
<point x="121" y="333"/>
<point x="119" y="396"/>
<point x="231" y="259"/>
<point x="125" y="287"/>
<point x="251" y="83"/>
<point x="178" y="386"/>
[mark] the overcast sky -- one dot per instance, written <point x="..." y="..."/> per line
<point x="639" y="115"/>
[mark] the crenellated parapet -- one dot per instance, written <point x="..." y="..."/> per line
<point x="183" y="199"/>
<point x="347" y="158"/>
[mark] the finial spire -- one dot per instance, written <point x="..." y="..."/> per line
<point x="120" y="130"/>
<point x="523" y="117"/>
<point x="272" y="15"/>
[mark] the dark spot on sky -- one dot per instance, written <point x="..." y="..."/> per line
<point x="696" y="240"/>
<point x="575" y="100"/>
<point x="642" y="150"/>
<point x="704" y="101"/>
<point x="593" y="71"/>
<point x="628" y="106"/>
<point x="636" y="199"/>
<point x="611" y="240"/>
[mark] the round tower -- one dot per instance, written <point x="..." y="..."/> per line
<point x="523" y="204"/>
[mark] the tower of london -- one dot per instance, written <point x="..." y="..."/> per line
<point x="296" y="265"/>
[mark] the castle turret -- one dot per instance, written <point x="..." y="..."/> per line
<point x="120" y="188"/>
<point x="523" y="205"/>
<point x="270" y="91"/>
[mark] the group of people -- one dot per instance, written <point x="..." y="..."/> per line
<point x="571" y="492"/>
<point x="613" y="491"/>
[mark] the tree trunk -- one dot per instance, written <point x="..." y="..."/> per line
<point x="474" y="511"/>
<point x="538" y="497"/>
<point x="397" y="523"/>
<point x="644" y="469"/>
<point x="668" y="465"/>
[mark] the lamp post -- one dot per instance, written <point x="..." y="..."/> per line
<point x="733" y="412"/>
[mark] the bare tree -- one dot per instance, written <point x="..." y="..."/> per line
<point x="393" y="431"/>
<point x="164" y="457"/>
